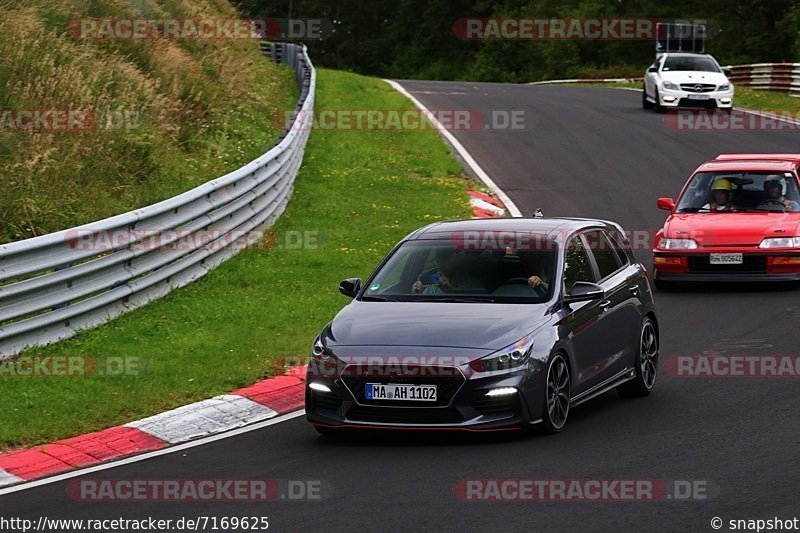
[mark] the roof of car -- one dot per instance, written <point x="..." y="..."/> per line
<point x="737" y="162"/>
<point x="687" y="54"/>
<point x="519" y="224"/>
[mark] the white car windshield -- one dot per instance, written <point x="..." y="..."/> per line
<point x="689" y="63"/>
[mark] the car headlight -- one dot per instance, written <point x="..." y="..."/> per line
<point x="509" y="357"/>
<point x="671" y="86"/>
<point x="780" y="242"/>
<point x="724" y="87"/>
<point x="320" y="351"/>
<point x="677" y="244"/>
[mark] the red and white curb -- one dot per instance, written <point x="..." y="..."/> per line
<point x="486" y="206"/>
<point x="261" y="401"/>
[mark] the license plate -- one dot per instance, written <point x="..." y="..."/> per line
<point x="726" y="259"/>
<point x="698" y="97"/>
<point x="414" y="393"/>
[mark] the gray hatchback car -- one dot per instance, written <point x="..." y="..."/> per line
<point x="486" y="325"/>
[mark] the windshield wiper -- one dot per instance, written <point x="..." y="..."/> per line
<point x="462" y="299"/>
<point x="690" y="210"/>
<point x="757" y="210"/>
<point x="370" y="298"/>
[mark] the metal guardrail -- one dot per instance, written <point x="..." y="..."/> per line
<point x="54" y="285"/>
<point x="769" y="76"/>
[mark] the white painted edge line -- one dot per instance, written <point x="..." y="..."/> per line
<point x="486" y="206"/>
<point x="465" y="155"/>
<point x="768" y="114"/>
<point x="151" y="455"/>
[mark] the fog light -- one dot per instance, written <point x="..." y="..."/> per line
<point x="318" y="387"/>
<point x="502" y="391"/>
<point x="725" y="100"/>
<point x="668" y="98"/>
<point x="785" y="260"/>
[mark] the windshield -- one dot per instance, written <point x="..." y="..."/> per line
<point x="740" y="191"/>
<point x="437" y="270"/>
<point x="689" y="63"/>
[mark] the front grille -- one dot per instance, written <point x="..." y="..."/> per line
<point x="446" y="386"/>
<point x="404" y="415"/>
<point x="498" y="405"/>
<point x="698" y="87"/>
<point x="702" y="104"/>
<point x="751" y="264"/>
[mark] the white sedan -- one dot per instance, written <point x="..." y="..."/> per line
<point x="686" y="80"/>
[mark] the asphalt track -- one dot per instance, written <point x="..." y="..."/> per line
<point x="583" y="151"/>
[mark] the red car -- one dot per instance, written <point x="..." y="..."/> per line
<point x="736" y="219"/>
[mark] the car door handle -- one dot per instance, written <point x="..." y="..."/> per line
<point x="634" y="290"/>
<point x="604" y="305"/>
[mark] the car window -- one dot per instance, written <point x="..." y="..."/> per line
<point x="748" y="190"/>
<point x="458" y="268"/>
<point x="605" y="255"/>
<point x="689" y="63"/>
<point x="578" y="267"/>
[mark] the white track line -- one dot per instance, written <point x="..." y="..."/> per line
<point x="151" y="455"/>
<point x="465" y="156"/>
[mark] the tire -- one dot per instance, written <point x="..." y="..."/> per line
<point x="646" y="104"/>
<point x="646" y="363"/>
<point x="657" y="105"/>
<point x="557" y="395"/>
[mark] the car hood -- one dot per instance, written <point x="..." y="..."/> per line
<point x="688" y="76"/>
<point x="731" y="229"/>
<point x="481" y="326"/>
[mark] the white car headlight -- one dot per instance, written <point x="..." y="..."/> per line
<point x="671" y="86"/>
<point x="677" y="244"/>
<point x="724" y="87"/>
<point x="780" y="242"/>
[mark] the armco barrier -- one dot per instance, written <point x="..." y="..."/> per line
<point x="51" y="286"/>
<point x="769" y="76"/>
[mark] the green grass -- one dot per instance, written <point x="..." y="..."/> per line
<point x="766" y="101"/>
<point x="358" y="193"/>
<point x="171" y="114"/>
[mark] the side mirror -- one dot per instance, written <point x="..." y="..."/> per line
<point x="583" y="291"/>
<point x="652" y="69"/>
<point x="727" y="71"/>
<point x="667" y="204"/>
<point x="350" y="287"/>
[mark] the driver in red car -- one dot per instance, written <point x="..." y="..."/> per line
<point x="773" y="185"/>
<point x="722" y="191"/>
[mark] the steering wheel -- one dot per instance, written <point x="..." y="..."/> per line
<point x="520" y="280"/>
<point x="770" y="203"/>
